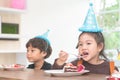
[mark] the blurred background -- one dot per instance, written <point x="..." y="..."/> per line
<point x="28" y="18"/>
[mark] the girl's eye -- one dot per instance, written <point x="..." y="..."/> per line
<point x="88" y="43"/>
<point x="32" y="50"/>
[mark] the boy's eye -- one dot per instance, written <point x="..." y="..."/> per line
<point x="27" y="50"/>
<point x="80" y="45"/>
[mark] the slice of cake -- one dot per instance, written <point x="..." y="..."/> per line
<point x="72" y="68"/>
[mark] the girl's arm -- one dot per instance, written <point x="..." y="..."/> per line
<point x="60" y="62"/>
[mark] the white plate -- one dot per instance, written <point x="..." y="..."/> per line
<point x="13" y="67"/>
<point x="62" y="73"/>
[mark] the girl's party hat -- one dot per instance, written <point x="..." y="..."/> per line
<point x="90" y="23"/>
<point x="44" y="36"/>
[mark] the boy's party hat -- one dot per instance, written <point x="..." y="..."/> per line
<point x="90" y="23"/>
<point x="44" y="36"/>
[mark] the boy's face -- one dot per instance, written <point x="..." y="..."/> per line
<point x="88" y="48"/>
<point x="34" y="54"/>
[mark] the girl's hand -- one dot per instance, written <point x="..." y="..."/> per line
<point x="69" y="64"/>
<point x="63" y="56"/>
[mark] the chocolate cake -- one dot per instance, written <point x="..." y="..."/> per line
<point x="72" y="68"/>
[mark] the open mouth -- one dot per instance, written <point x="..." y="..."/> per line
<point x="84" y="54"/>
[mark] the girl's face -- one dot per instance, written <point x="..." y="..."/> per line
<point x="34" y="54"/>
<point x="88" y="48"/>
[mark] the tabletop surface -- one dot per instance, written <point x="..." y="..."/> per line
<point x="31" y="74"/>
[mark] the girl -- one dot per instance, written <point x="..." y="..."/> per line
<point x="91" y="47"/>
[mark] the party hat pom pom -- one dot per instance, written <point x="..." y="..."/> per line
<point x="90" y="22"/>
<point x="44" y="36"/>
<point x="91" y="4"/>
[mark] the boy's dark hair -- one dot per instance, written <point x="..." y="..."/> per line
<point x="41" y="44"/>
<point x="99" y="38"/>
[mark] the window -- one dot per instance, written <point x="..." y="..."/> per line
<point x="108" y="16"/>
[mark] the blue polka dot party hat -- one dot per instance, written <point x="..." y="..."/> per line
<point x="90" y="22"/>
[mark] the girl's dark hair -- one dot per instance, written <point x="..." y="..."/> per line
<point x="99" y="38"/>
<point x="41" y="44"/>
